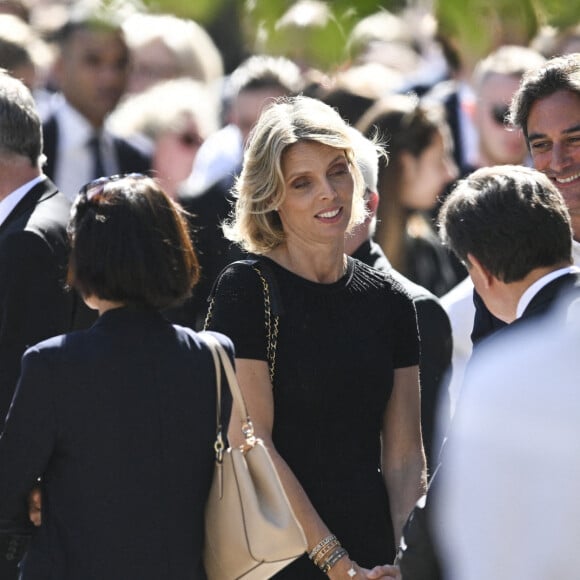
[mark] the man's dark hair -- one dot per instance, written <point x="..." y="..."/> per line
<point x="130" y="244"/>
<point x="20" y="125"/>
<point x="88" y="15"/>
<point x="511" y="218"/>
<point x="558" y="74"/>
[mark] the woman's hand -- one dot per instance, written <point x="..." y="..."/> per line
<point x="340" y="571"/>
<point x="386" y="571"/>
<point x="34" y="506"/>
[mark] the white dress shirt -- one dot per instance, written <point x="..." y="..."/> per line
<point x="508" y="502"/>
<point x="75" y="164"/>
<point x="13" y="199"/>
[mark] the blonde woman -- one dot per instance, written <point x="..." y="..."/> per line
<point x="340" y="407"/>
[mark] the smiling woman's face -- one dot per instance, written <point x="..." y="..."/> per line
<point x="318" y="192"/>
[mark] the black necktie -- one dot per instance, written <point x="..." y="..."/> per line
<point x="95" y="148"/>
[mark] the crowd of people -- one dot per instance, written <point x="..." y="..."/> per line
<point x="370" y="242"/>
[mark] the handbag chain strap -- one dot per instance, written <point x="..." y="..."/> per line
<point x="272" y="323"/>
<point x="272" y="326"/>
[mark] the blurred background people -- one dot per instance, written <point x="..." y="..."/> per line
<point x="252" y="85"/>
<point x="91" y="70"/>
<point x="16" y="49"/>
<point x="164" y="47"/>
<point x="117" y="421"/>
<point x="169" y="121"/>
<point x="467" y="34"/>
<point x="420" y="166"/>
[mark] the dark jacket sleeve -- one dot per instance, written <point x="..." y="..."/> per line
<point x="27" y="442"/>
<point x="436" y="351"/>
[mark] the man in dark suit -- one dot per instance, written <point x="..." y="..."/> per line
<point x="432" y="321"/>
<point x="91" y="71"/>
<point x="33" y="254"/>
<point x="511" y="227"/>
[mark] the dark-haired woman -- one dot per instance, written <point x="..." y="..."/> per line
<point x="117" y="421"/>
<point x="419" y="167"/>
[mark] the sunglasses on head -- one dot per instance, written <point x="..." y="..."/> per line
<point x="499" y="113"/>
<point x="96" y="187"/>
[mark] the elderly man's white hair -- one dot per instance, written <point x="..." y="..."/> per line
<point x="367" y="158"/>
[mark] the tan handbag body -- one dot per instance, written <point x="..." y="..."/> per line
<point x="251" y="531"/>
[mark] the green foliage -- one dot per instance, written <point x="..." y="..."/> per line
<point x="202" y="11"/>
<point x="478" y="25"/>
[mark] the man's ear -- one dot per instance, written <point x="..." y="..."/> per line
<point x="372" y="203"/>
<point x="479" y="271"/>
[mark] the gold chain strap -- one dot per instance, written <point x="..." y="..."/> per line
<point x="271" y="324"/>
<point x="209" y="313"/>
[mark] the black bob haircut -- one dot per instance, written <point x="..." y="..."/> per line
<point x="130" y="243"/>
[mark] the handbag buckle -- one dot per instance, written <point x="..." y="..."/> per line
<point x="219" y="447"/>
<point x="248" y="432"/>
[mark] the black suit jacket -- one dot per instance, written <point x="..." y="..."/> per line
<point x="129" y="158"/>
<point x="119" y="422"/>
<point x="33" y="302"/>
<point x="436" y="347"/>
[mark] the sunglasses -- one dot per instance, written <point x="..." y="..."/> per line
<point x="499" y="113"/>
<point x="190" y="139"/>
<point x="97" y="186"/>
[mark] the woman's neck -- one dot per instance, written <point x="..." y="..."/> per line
<point x="323" y="265"/>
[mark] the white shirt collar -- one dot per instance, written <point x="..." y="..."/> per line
<point x="74" y="129"/>
<point x="14" y="198"/>
<point x="74" y="162"/>
<point x="532" y="290"/>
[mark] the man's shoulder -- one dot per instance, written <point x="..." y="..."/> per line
<point x="42" y="214"/>
<point x="50" y="208"/>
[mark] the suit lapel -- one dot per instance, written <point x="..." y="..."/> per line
<point x="39" y="193"/>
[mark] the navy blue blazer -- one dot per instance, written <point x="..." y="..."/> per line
<point x="119" y="422"/>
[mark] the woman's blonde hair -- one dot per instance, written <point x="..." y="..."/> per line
<point x="259" y="190"/>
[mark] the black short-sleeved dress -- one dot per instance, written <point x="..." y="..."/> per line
<point x="338" y="346"/>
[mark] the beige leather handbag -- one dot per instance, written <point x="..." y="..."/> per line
<point x="251" y="531"/>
